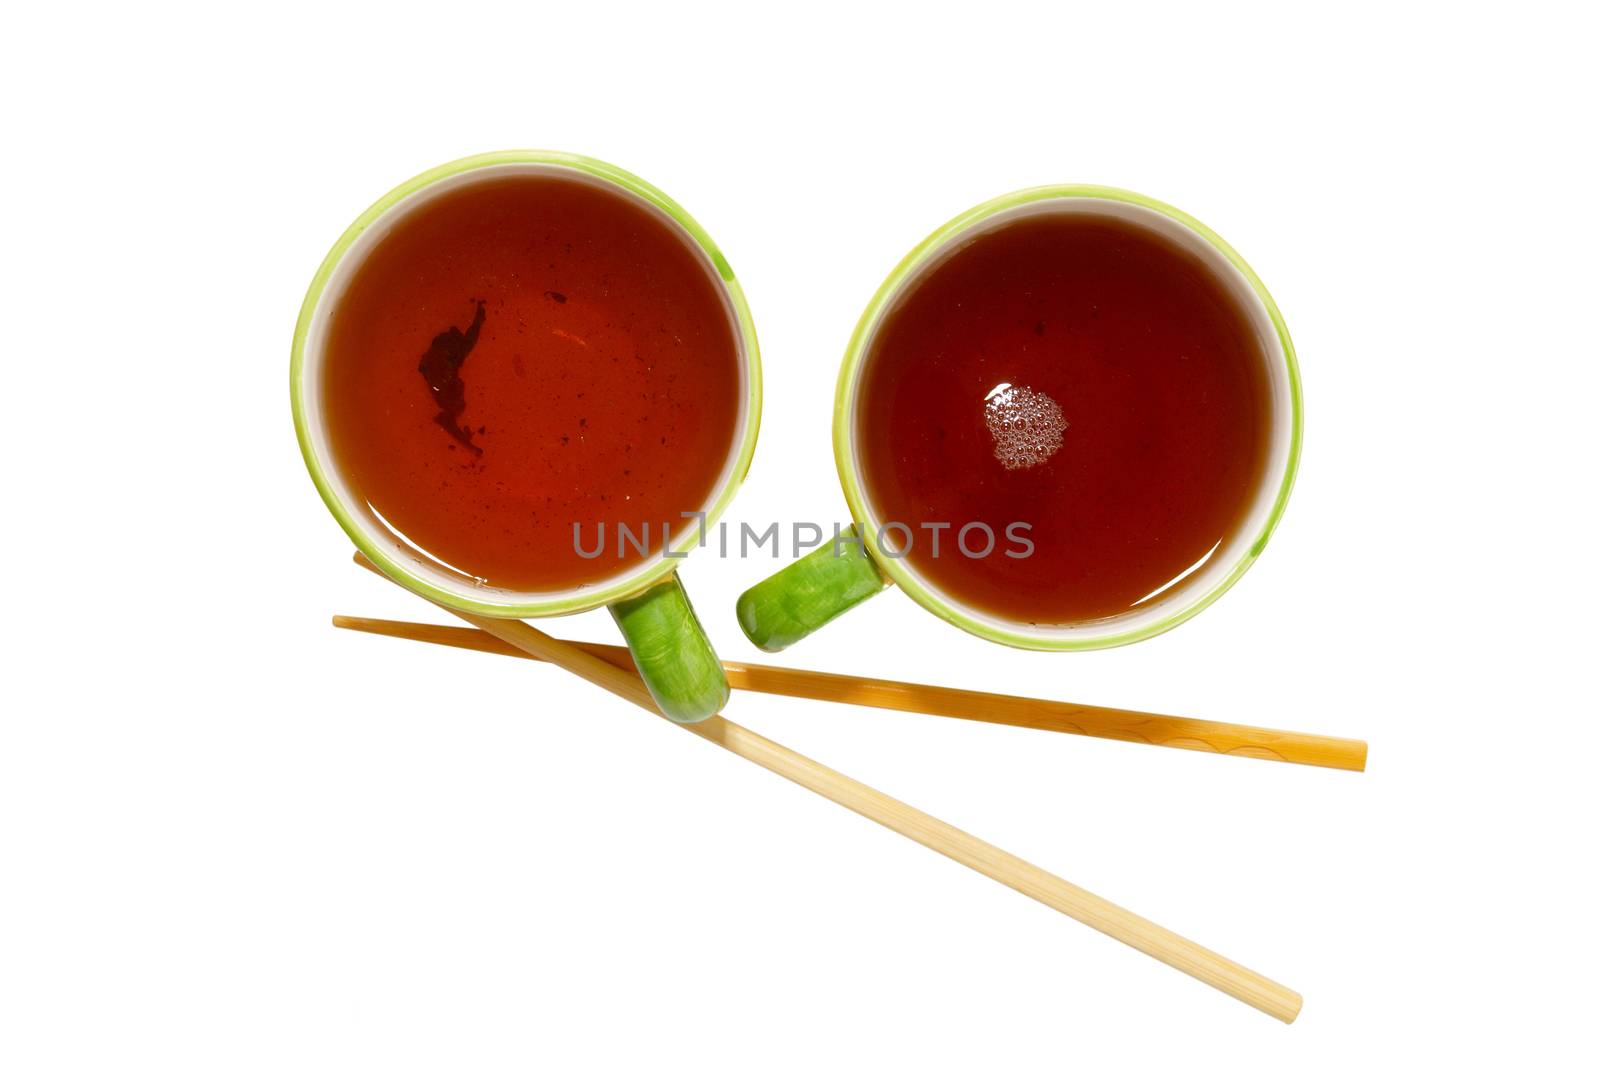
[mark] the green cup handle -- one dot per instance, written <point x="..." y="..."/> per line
<point x="672" y="652"/>
<point x="797" y="600"/>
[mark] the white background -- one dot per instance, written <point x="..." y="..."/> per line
<point x="231" y="837"/>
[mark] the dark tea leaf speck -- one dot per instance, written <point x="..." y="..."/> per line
<point x="441" y="370"/>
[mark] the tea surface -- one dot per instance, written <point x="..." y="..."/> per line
<point x="1082" y="375"/>
<point x="524" y="353"/>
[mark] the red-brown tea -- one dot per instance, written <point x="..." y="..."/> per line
<point x="1077" y="373"/>
<point x="527" y="352"/>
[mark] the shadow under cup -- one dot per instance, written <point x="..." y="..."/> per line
<point x="1092" y="363"/>
<point x="512" y="378"/>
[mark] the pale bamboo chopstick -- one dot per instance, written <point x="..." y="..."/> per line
<point x="1133" y="930"/>
<point x="1106" y="722"/>
<point x="524" y="637"/>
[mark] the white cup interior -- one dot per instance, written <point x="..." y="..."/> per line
<point x="632" y="572"/>
<point x="1194" y="587"/>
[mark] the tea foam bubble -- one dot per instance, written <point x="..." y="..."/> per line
<point x="1026" y="425"/>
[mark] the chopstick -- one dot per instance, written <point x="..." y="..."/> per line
<point x="1237" y="981"/>
<point x="1105" y="722"/>
<point x="624" y="682"/>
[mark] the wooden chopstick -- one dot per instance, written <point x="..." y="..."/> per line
<point x="535" y="644"/>
<point x="1106" y="722"/>
<point x="1237" y="981"/>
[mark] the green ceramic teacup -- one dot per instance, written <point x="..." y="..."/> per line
<point x="814" y="590"/>
<point x="648" y="602"/>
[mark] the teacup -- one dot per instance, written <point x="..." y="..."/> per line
<point x="1087" y="357"/>
<point x="568" y="345"/>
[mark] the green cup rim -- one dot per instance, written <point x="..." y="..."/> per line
<point x="843" y="419"/>
<point x="624" y="586"/>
